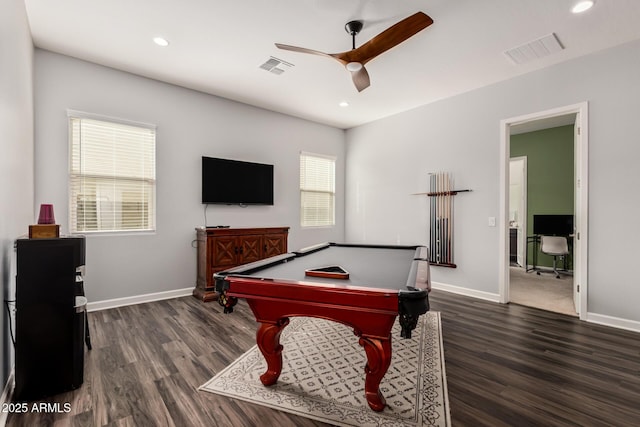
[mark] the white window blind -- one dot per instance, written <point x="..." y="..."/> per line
<point x="112" y="176"/>
<point x="317" y="190"/>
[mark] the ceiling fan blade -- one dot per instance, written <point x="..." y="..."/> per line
<point x="360" y="79"/>
<point x="301" y="50"/>
<point x="387" y="39"/>
<point x="355" y="59"/>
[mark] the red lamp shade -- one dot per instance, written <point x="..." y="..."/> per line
<point x="46" y="214"/>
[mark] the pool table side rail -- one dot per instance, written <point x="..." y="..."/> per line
<point x="246" y="269"/>
<point x="420" y="252"/>
<point x="290" y="290"/>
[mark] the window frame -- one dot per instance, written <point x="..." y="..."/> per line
<point x="149" y="179"/>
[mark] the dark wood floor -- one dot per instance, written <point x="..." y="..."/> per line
<point x="506" y="365"/>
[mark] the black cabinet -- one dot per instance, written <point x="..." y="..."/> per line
<point x="513" y="245"/>
<point x="49" y="355"/>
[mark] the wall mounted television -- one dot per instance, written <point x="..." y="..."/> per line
<point x="234" y="182"/>
<point x="553" y="225"/>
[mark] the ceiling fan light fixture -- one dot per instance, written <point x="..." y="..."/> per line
<point x="582" y="6"/>
<point x="354" y="66"/>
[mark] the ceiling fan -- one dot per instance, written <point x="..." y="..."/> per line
<point x="355" y="59"/>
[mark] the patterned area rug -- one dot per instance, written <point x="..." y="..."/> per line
<point x="323" y="376"/>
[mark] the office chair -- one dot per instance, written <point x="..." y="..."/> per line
<point x="557" y="247"/>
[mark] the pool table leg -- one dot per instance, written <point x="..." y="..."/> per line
<point x="378" y="361"/>
<point x="268" y="339"/>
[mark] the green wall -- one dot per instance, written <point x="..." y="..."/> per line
<point x="550" y="175"/>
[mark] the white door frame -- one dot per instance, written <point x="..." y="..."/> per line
<point x="580" y="253"/>
<point x="522" y="222"/>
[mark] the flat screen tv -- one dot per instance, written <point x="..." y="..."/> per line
<point x="553" y="225"/>
<point x="234" y="182"/>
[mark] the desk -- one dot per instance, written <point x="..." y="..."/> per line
<point x="513" y="245"/>
<point x="384" y="282"/>
<point x="535" y="240"/>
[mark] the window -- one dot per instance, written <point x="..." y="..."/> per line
<point x="112" y="175"/>
<point x="317" y="190"/>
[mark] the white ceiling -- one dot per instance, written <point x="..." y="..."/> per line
<point x="217" y="46"/>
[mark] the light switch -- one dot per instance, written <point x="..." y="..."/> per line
<point x="492" y="221"/>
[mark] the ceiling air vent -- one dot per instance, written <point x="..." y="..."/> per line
<point x="275" y="65"/>
<point x="535" y="49"/>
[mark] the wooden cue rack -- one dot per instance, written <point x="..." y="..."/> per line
<point x="441" y="219"/>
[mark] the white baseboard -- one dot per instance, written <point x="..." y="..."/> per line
<point x="7" y="393"/>
<point x="616" y="322"/>
<point x="601" y="319"/>
<point x="138" y="299"/>
<point x="466" y="291"/>
<point x="7" y="397"/>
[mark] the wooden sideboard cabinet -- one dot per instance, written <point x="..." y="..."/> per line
<point x="222" y="248"/>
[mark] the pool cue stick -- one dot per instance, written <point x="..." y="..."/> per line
<point x="445" y="197"/>
<point x="440" y="212"/>
<point x="450" y="243"/>
<point x="445" y="215"/>
<point x="444" y="218"/>
<point x="431" y="215"/>
<point x="437" y="217"/>
<point x="449" y="219"/>
<point x="430" y="218"/>
<point x="432" y="236"/>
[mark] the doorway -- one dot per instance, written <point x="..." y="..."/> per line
<point x="549" y="193"/>
<point x="576" y="115"/>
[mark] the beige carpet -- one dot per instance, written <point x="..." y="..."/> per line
<point x="323" y="376"/>
<point x="542" y="291"/>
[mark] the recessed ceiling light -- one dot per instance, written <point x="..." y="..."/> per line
<point x="161" y="41"/>
<point x="582" y="6"/>
<point x="344" y="104"/>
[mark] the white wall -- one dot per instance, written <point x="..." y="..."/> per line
<point x="389" y="159"/>
<point x="16" y="146"/>
<point x="189" y="125"/>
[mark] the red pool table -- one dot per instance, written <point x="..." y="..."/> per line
<point x="363" y="286"/>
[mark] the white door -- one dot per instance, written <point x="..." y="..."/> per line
<point x="578" y="255"/>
